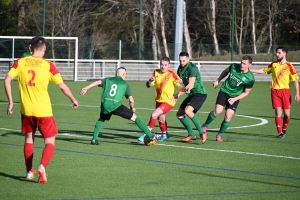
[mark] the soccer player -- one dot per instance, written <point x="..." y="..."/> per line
<point x="26" y="54"/>
<point x="164" y="80"/>
<point x="236" y="87"/>
<point x="196" y="95"/>
<point x="34" y="74"/>
<point x="114" y="89"/>
<point x="282" y="73"/>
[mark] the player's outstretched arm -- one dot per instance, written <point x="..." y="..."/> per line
<point x="85" y="89"/>
<point x="257" y="71"/>
<point x="65" y="89"/>
<point x="7" y="86"/>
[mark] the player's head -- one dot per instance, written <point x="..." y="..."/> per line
<point x="184" y="59"/>
<point x="281" y="53"/>
<point x="121" y="71"/>
<point x="246" y="63"/>
<point x="164" y="64"/>
<point x="38" y="44"/>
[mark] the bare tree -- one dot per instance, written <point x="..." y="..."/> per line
<point x="186" y="31"/>
<point x="163" y="34"/>
<point x="211" y="20"/>
<point x="253" y="27"/>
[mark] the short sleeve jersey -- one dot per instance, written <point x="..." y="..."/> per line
<point x="34" y="75"/>
<point x="281" y="74"/>
<point x="237" y="82"/>
<point x="164" y="84"/>
<point x="114" y="89"/>
<point x="191" y="70"/>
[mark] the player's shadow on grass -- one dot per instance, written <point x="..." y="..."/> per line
<point x="11" y="133"/>
<point x="243" y="179"/>
<point x="18" y="178"/>
<point x="215" y="132"/>
<point x="106" y="137"/>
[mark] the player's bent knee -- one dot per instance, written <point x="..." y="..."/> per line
<point x="133" y="118"/>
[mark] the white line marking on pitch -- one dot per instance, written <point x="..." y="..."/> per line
<point x="185" y="147"/>
<point x="199" y="148"/>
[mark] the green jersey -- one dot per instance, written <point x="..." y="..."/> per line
<point x="237" y="81"/>
<point x="114" y="89"/>
<point x="188" y="71"/>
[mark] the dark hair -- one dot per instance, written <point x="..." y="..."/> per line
<point x="184" y="54"/>
<point x="165" y="59"/>
<point x="37" y="42"/>
<point x="246" y="57"/>
<point x="284" y="49"/>
<point x="122" y="68"/>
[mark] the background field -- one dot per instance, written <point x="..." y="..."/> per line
<point x="251" y="163"/>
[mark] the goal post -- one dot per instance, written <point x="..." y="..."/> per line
<point x="63" y="51"/>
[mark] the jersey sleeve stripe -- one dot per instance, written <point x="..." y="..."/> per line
<point x="291" y="68"/>
<point x="175" y="76"/>
<point x="15" y="65"/>
<point x="53" y="70"/>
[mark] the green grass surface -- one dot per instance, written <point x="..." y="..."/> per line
<point x="251" y="163"/>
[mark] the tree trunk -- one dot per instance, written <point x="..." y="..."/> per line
<point x="253" y="28"/>
<point x="213" y="26"/>
<point x="163" y="34"/>
<point x="154" y="36"/>
<point x="186" y="32"/>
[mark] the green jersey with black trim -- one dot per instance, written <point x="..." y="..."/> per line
<point x="114" y="89"/>
<point x="188" y="71"/>
<point x="237" y="81"/>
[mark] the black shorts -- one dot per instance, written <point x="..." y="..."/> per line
<point x="222" y="100"/>
<point x="121" y="111"/>
<point x="196" y="101"/>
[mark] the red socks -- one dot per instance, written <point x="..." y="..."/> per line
<point x="163" y="127"/>
<point x="278" y="122"/>
<point x="47" y="154"/>
<point x="152" y="123"/>
<point x="286" y="121"/>
<point x="28" y="155"/>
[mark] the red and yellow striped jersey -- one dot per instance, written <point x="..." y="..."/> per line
<point x="165" y="83"/>
<point x="281" y="74"/>
<point x="34" y="75"/>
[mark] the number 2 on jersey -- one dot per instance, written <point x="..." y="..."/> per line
<point x="30" y="82"/>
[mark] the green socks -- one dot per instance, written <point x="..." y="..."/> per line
<point x="187" y="125"/>
<point x="223" y="127"/>
<point x="143" y="127"/>
<point x="209" y="119"/>
<point x="97" y="128"/>
<point x="197" y="124"/>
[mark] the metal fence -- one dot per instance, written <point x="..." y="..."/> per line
<point x="137" y="70"/>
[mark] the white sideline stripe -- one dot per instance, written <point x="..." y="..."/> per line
<point x="184" y="147"/>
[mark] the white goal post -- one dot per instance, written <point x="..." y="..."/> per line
<point x="12" y="47"/>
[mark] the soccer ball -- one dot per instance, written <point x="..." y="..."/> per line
<point x="149" y="142"/>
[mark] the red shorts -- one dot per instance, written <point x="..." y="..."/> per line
<point x="46" y="125"/>
<point x="165" y="107"/>
<point x="281" y="98"/>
